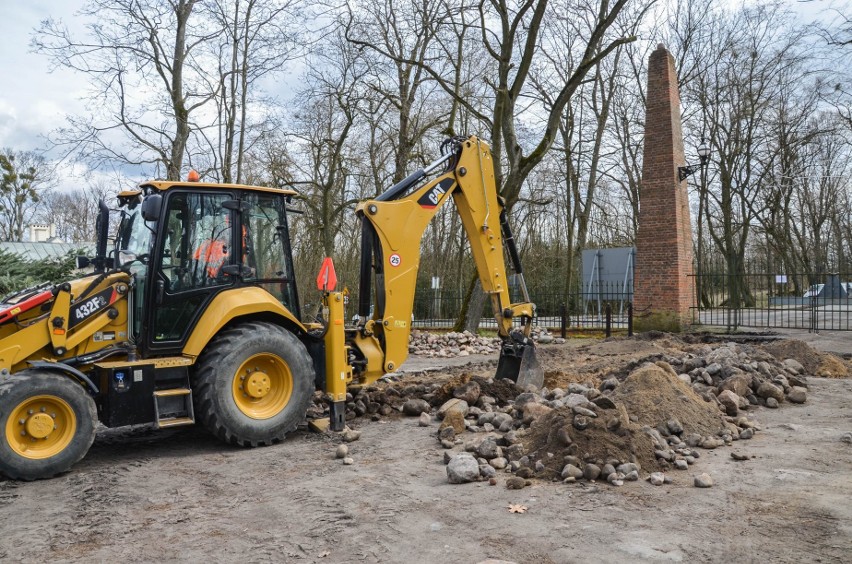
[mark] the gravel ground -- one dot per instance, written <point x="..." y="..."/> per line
<point x="180" y="495"/>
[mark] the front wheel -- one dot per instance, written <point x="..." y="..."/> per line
<point x="47" y="422"/>
<point x="253" y="384"/>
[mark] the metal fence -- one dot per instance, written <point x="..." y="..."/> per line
<point x="586" y="309"/>
<point x="764" y="300"/>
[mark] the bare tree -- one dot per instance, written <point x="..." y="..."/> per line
<point x="26" y="177"/>
<point x="140" y="57"/>
<point x="258" y="39"/>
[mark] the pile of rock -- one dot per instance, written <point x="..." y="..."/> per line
<point x="643" y="420"/>
<point x="737" y="376"/>
<point x="452" y="344"/>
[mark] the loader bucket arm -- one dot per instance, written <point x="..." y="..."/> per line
<point x="393" y="227"/>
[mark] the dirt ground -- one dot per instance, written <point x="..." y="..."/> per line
<point x="180" y="495"/>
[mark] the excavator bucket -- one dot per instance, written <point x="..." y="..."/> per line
<point x="518" y="362"/>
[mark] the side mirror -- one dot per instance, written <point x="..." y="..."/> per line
<point x="151" y="207"/>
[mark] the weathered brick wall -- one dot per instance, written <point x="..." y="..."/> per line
<point x="663" y="287"/>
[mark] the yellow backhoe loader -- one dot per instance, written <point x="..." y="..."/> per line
<point x="194" y="315"/>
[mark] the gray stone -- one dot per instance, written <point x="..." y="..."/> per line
<point x="711" y="443"/>
<point x="713" y="368"/>
<point x="604" y="402"/>
<point x="746" y="434"/>
<point x="581" y="422"/>
<point x="447" y="443"/>
<point x="454" y="404"/>
<point x="487" y="471"/>
<point x="425" y="419"/>
<point x="515" y="483"/>
<point x="616" y="479"/>
<point x="703" y="481"/>
<point x="348" y="461"/>
<point x="609" y="384"/>
<point x="768" y="390"/>
<point x="342" y="451"/>
<point x="487" y="417"/>
<point x="583" y="411"/>
<point x="793" y="366"/>
<point x="681" y="464"/>
<point x="350" y="435"/>
<point x="658" y="478"/>
<point x="572" y="471"/>
<point x="525" y="398"/>
<point x="797" y="395"/>
<point x="415" y="407"/>
<point x="468" y="392"/>
<point x="627" y="468"/>
<point x="575" y="399"/>
<point x="533" y="411"/>
<point x="632" y="476"/>
<point x="499" y="463"/>
<point x="462" y="468"/>
<point x="514" y="452"/>
<point x="591" y="472"/>
<point x="771" y="403"/>
<point x="539" y="467"/>
<point x="607" y="470"/>
<point x="488" y="448"/>
<point x="730" y="401"/>
<point x="846" y="438"/>
<point x="674" y="426"/>
<point x="738" y="383"/>
<point x="500" y="419"/>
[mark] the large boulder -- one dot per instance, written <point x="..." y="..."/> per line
<point x="462" y="468"/>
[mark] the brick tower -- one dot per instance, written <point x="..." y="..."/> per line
<point x="663" y="287"/>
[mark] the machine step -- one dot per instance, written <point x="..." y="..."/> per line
<point x="173" y="392"/>
<point x="173" y="407"/>
<point x="175" y="421"/>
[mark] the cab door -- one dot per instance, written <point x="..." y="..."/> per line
<point x="193" y="251"/>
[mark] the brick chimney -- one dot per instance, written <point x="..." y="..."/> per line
<point x="663" y="285"/>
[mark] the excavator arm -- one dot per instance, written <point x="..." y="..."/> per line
<point x="392" y="230"/>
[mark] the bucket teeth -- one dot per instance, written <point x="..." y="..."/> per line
<point x="519" y="363"/>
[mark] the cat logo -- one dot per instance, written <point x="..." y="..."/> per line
<point x="430" y="199"/>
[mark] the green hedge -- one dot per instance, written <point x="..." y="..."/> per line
<point x="17" y="273"/>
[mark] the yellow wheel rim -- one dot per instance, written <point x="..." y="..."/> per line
<point x="262" y="386"/>
<point x="41" y="427"/>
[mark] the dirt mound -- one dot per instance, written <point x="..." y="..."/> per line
<point x="650" y="397"/>
<point x="595" y="444"/>
<point x="823" y="365"/>
<point x="591" y="363"/>
<point x="653" y="396"/>
<point x="504" y="391"/>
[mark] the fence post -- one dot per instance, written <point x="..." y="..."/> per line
<point x="608" y="320"/>
<point x="630" y="319"/>
<point x="563" y="323"/>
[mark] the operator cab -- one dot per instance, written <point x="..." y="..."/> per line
<point x="183" y="243"/>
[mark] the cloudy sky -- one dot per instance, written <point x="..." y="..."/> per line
<point x="35" y="98"/>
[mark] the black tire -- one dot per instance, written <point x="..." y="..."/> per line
<point x="214" y="383"/>
<point x="46" y="395"/>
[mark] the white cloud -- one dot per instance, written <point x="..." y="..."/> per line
<point x="35" y="99"/>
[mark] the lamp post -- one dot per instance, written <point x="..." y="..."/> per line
<point x="683" y="172"/>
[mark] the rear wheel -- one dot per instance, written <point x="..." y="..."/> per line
<point x="47" y="424"/>
<point x="253" y="384"/>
